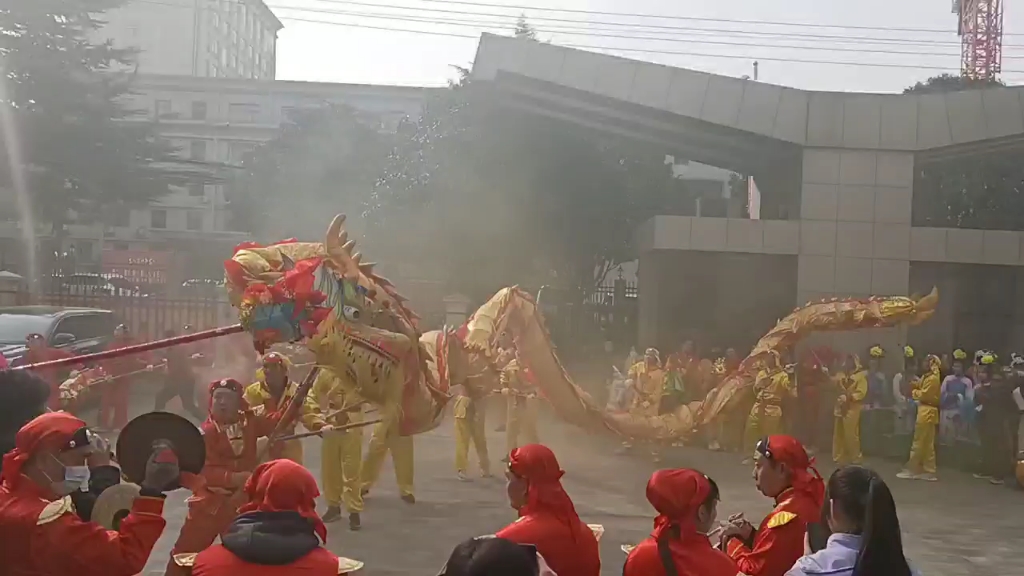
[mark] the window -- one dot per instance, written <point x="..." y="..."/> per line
<point x="86" y="326"/>
<point x="196" y="190"/>
<point x="194" y="220"/>
<point x="197" y="149"/>
<point x="158" y="219"/>
<point x="243" y="112"/>
<point x="199" y="110"/>
<point x="163" y="108"/>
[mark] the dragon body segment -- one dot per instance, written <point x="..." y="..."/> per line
<point x="512" y="313"/>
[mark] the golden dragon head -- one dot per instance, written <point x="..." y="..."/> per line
<point x="291" y="291"/>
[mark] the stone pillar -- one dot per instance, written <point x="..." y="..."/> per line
<point x="456" y="309"/>
<point x="855" y="231"/>
<point x="649" y="287"/>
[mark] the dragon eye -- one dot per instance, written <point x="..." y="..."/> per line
<point x="352" y="313"/>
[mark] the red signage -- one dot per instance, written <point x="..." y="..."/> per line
<point x="138" y="266"/>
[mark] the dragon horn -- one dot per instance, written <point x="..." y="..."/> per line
<point x="337" y="253"/>
<point x="349" y="246"/>
<point x="366" y="267"/>
<point x="356" y="258"/>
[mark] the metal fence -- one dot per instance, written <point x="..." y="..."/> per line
<point x="148" y="317"/>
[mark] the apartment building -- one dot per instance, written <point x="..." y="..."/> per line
<point x="207" y="38"/>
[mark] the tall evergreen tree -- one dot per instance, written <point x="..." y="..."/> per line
<point x="69" y="133"/>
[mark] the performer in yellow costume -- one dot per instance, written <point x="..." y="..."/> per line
<point x="273" y="391"/>
<point x="648" y="379"/>
<point x="470" y="419"/>
<point x="341" y="451"/>
<point x="771" y="387"/>
<point x="852" y="387"/>
<point x="521" y="423"/>
<point x="386" y="438"/>
<point x="927" y="393"/>
<point x="648" y="384"/>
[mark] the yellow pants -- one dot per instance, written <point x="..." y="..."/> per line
<point x="846" y="437"/>
<point x="521" y="423"/>
<point x="341" y="459"/>
<point x="922" y="451"/>
<point x="471" y="431"/>
<point x="761" y="422"/>
<point x="386" y="439"/>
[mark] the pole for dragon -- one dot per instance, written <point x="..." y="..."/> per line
<point x="137" y="348"/>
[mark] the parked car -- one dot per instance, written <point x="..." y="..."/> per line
<point x="78" y="330"/>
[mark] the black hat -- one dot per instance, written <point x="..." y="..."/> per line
<point x="141" y="436"/>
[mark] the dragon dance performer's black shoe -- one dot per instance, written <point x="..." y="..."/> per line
<point x="333" y="514"/>
<point x="354" y="522"/>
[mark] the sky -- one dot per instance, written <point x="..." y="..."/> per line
<point x="417" y="42"/>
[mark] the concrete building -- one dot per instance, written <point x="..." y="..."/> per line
<point x="837" y="173"/>
<point x="212" y="38"/>
<point x="212" y="120"/>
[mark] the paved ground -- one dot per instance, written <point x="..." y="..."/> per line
<point x="958" y="526"/>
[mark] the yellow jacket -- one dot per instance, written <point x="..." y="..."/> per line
<point x="511" y="378"/>
<point x="927" y="392"/>
<point x="771" y="387"/>
<point x="257" y="395"/>
<point x="852" y="390"/>
<point x="330" y="394"/>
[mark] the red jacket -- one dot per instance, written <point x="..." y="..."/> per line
<point x="700" y="559"/>
<point x="219" y="561"/>
<point x="554" y="541"/>
<point x="43" y="538"/>
<point x="779" y="541"/>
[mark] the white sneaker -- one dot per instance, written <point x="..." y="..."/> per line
<point x="462" y="476"/>
<point x="714" y="446"/>
<point x="980" y="476"/>
<point x="927" y="477"/>
<point x="906" y="475"/>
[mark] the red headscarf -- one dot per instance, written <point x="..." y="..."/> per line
<point x="284" y="486"/>
<point x="676" y="495"/>
<point x="226" y="383"/>
<point x="49" y="431"/>
<point x="537" y="464"/>
<point x="792" y="453"/>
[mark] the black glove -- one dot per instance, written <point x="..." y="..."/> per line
<point x="162" y="471"/>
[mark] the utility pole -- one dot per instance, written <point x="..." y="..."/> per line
<point x="755" y="70"/>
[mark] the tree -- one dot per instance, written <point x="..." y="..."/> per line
<point x="75" y="145"/>
<point x="519" y="199"/>
<point x="977" y="190"/>
<point x="325" y="160"/>
<point x="524" y="29"/>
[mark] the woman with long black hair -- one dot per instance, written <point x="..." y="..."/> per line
<point x="865" y="531"/>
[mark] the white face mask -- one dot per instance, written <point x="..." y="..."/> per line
<point x="75" y="478"/>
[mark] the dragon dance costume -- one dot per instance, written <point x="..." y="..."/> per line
<point x="521" y="423"/>
<point x="263" y="400"/>
<point x="470" y="428"/>
<point x="927" y="392"/>
<point x="771" y="388"/>
<point x="852" y="389"/>
<point x="341" y="451"/>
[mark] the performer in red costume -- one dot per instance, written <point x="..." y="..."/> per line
<point x="40" y="534"/>
<point x="230" y="432"/>
<point x="278" y="530"/>
<point x="687" y="505"/>
<point x="547" y="518"/>
<point x="114" y="400"/>
<point x="39" y="351"/>
<point x="782" y="471"/>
